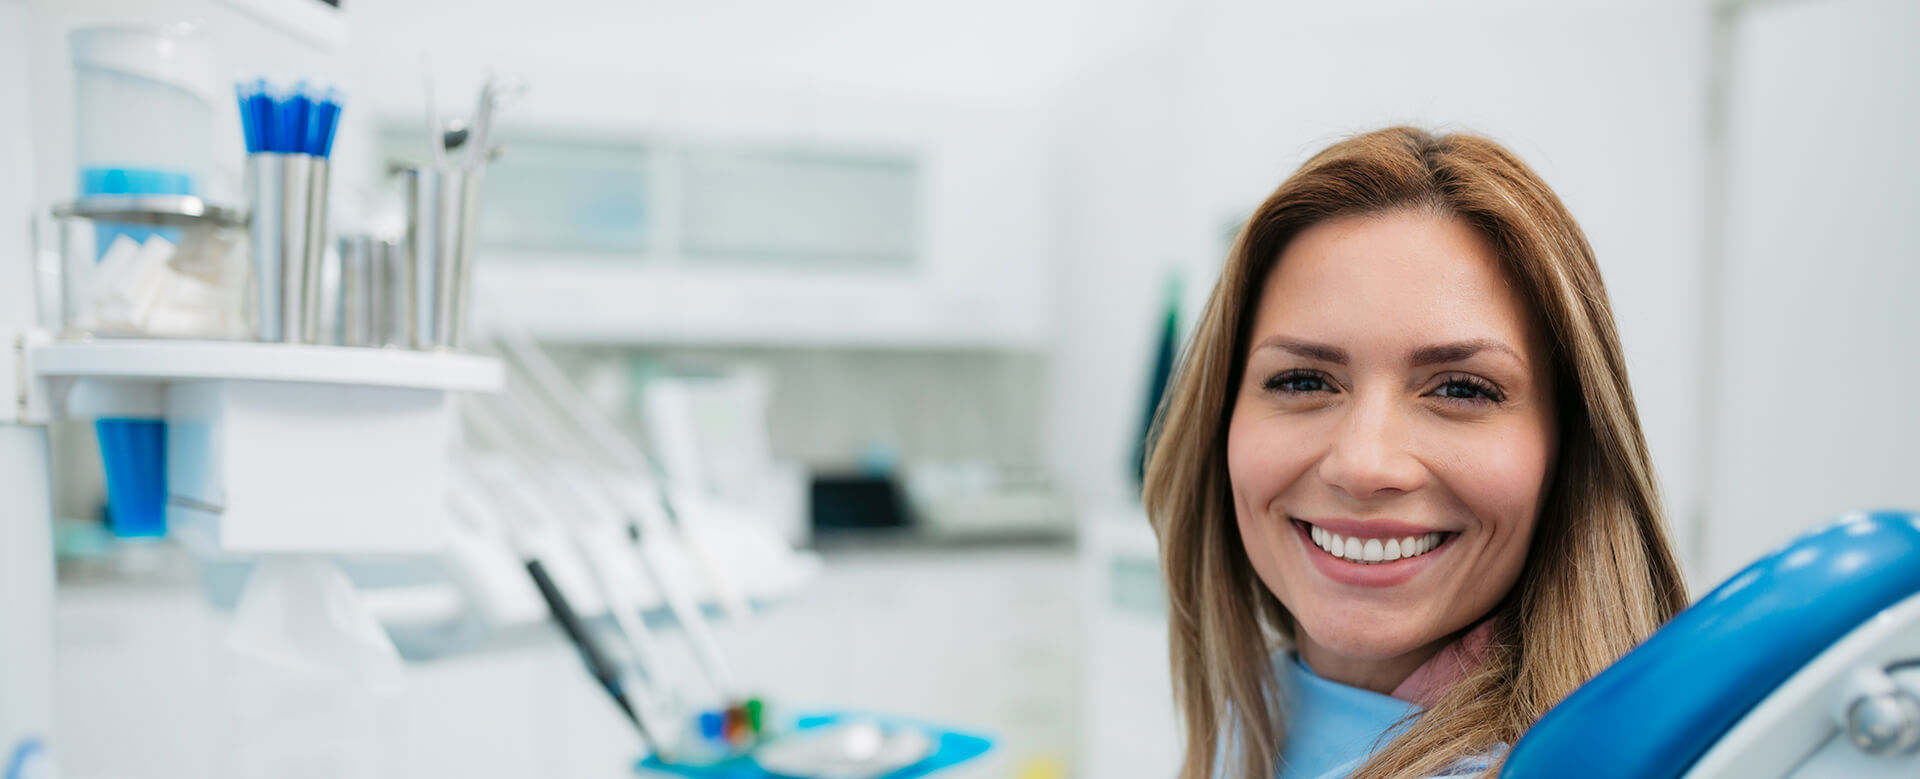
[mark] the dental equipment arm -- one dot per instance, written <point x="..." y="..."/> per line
<point x="579" y="419"/>
<point x="581" y="504"/>
<point x="630" y="692"/>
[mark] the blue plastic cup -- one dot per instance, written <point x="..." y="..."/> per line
<point x="134" y="452"/>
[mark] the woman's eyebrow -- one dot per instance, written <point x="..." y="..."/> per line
<point x="1307" y="349"/>
<point x="1457" y="351"/>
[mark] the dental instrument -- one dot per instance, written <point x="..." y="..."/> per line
<point x="456" y="134"/>
<point x="436" y="153"/>
<point x="595" y="658"/>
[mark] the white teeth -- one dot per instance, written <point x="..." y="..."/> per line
<point x="1373" y="550"/>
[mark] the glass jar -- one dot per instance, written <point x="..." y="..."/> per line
<point x="164" y="266"/>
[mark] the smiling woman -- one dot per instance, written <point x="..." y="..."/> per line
<point x="1398" y="394"/>
<point x="1403" y="500"/>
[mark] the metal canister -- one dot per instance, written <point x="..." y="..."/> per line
<point x="442" y="206"/>
<point x="356" y="290"/>
<point x="392" y="297"/>
<point x="288" y="222"/>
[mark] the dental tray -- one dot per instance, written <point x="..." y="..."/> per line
<point x="949" y="748"/>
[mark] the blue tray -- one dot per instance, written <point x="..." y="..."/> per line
<point x="951" y="748"/>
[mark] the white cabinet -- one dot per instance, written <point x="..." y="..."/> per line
<point x="874" y="222"/>
<point x="979" y="639"/>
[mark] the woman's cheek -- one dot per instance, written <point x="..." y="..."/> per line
<point x="1499" y="473"/>
<point x="1261" y="460"/>
<point x="1244" y="455"/>
<point x="1258" y="454"/>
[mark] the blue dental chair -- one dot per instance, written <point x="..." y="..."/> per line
<point x="1806" y="664"/>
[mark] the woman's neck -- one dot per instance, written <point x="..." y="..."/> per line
<point x="1378" y="675"/>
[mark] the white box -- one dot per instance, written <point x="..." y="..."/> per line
<point x="265" y="466"/>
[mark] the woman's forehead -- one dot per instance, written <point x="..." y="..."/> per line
<point x="1391" y="281"/>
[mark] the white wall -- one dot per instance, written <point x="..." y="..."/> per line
<point x="1606" y="101"/>
<point x="1817" y="397"/>
<point x="1118" y="157"/>
<point x="16" y="168"/>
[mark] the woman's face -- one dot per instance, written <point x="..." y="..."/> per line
<point x="1390" y="446"/>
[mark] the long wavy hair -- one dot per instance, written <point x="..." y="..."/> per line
<point x="1600" y="576"/>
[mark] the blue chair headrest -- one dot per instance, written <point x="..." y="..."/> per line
<point x="1658" y="710"/>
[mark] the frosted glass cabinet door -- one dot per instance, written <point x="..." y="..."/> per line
<point x="703" y="205"/>
<point x="794" y="208"/>
<point x="563" y="196"/>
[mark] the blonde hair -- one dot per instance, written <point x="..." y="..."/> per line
<point x="1600" y="576"/>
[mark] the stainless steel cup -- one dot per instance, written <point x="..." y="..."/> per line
<point x="442" y="206"/>
<point x="356" y="290"/>
<point x="392" y="298"/>
<point x="375" y="302"/>
<point x="313" y="254"/>
<point x="288" y="224"/>
<point x="456" y="294"/>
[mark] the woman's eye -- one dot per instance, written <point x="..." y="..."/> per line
<point x="1298" y="383"/>
<point x="1470" y="390"/>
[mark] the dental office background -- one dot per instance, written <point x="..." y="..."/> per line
<point x="903" y="269"/>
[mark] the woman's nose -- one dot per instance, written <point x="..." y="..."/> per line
<point x="1370" y="455"/>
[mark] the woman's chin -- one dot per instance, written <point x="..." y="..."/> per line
<point x="1372" y="641"/>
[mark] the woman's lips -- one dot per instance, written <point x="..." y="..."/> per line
<point x="1370" y="553"/>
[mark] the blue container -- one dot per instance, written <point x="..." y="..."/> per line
<point x="134" y="452"/>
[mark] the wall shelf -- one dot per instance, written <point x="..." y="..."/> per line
<point x="280" y="448"/>
<point x="158" y="361"/>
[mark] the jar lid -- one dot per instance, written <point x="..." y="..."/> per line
<point x="152" y="210"/>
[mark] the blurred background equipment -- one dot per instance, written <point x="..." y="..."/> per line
<point x="828" y="326"/>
